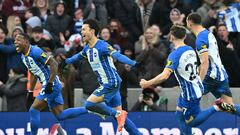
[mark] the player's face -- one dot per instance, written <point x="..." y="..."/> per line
<point x="20" y="44"/>
<point x="189" y="24"/>
<point x="87" y="33"/>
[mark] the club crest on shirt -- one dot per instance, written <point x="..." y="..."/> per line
<point x="44" y="55"/>
<point x="204" y="46"/>
<point x="169" y="63"/>
<point x="110" y="48"/>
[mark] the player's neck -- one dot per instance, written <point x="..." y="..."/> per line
<point x="93" y="41"/>
<point x="198" y="29"/>
<point x="27" y="50"/>
<point x="178" y="43"/>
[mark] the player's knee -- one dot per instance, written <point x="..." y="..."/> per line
<point x="89" y="105"/>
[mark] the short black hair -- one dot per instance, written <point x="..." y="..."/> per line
<point x="4" y="29"/>
<point x="195" y="18"/>
<point x="93" y="24"/>
<point x="37" y="29"/>
<point x="178" y="31"/>
<point x="24" y="36"/>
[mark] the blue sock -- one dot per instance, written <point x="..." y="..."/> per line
<point x="238" y="110"/>
<point x="34" y="120"/>
<point x="100" y="108"/>
<point x="202" y="116"/>
<point x="71" y="113"/>
<point x="131" y="128"/>
<point x="184" y="128"/>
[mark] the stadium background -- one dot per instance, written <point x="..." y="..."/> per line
<point x="136" y="28"/>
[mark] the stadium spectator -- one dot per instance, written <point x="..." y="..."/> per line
<point x="39" y="39"/>
<point x="176" y="18"/>
<point x="161" y="11"/>
<point x="228" y="55"/>
<point x="32" y="11"/>
<point x="127" y="12"/>
<point x="59" y="23"/>
<point x="15" y="7"/>
<point x="43" y="6"/>
<point x="15" y="91"/>
<point x="208" y="11"/>
<point x="105" y="35"/>
<point x="153" y="54"/>
<point x="101" y="11"/>
<point x="145" y="8"/>
<point x="34" y="22"/>
<point x="119" y="36"/>
<point x="148" y="101"/>
<point x="12" y="22"/>
<point x="3" y="56"/>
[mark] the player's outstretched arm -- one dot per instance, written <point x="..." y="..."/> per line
<point x="156" y="80"/>
<point x="74" y="58"/>
<point x="123" y="59"/>
<point x="204" y="65"/>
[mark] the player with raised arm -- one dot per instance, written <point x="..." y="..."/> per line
<point x="44" y="68"/>
<point x="212" y="72"/>
<point x="183" y="62"/>
<point x="99" y="54"/>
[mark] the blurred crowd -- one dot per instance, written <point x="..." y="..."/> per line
<point x="138" y="29"/>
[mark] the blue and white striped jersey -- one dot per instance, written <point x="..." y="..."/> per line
<point x="183" y="61"/>
<point x="101" y="62"/>
<point x="206" y="42"/>
<point x="35" y="60"/>
<point x="231" y="17"/>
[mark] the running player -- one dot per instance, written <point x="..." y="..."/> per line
<point x="99" y="54"/>
<point x="44" y="68"/>
<point x="212" y="72"/>
<point x="183" y="62"/>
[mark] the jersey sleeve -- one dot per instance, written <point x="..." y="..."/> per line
<point x="40" y="55"/>
<point x="108" y="49"/>
<point x="202" y="46"/>
<point x="83" y="53"/>
<point x="172" y="61"/>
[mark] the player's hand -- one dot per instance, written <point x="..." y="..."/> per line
<point x="144" y="84"/>
<point x="49" y="88"/>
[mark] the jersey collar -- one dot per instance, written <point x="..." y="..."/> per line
<point x="28" y="51"/>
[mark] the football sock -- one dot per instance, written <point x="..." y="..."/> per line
<point x="71" y="113"/>
<point x="34" y="120"/>
<point x="131" y="127"/>
<point x="202" y="116"/>
<point x="237" y="110"/>
<point x="184" y="128"/>
<point x="100" y="108"/>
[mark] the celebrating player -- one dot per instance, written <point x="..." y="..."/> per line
<point x="51" y="93"/>
<point x="183" y="62"/>
<point x="99" y="54"/>
<point x="212" y="72"/>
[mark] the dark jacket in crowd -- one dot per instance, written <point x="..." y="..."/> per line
<point x="126" y="12"/>
<point x="153" y="59"/>
<point x="15" y="90"/>
<point x="56" y="24"/>
<point x="161" y="10"/>
<point x="231" y="62"/>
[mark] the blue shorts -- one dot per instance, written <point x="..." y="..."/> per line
<point x="54" y="98"/>
<point x="217" y="88"/>
<point x="111" y="94"/>
<point x="190" y="108"/>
